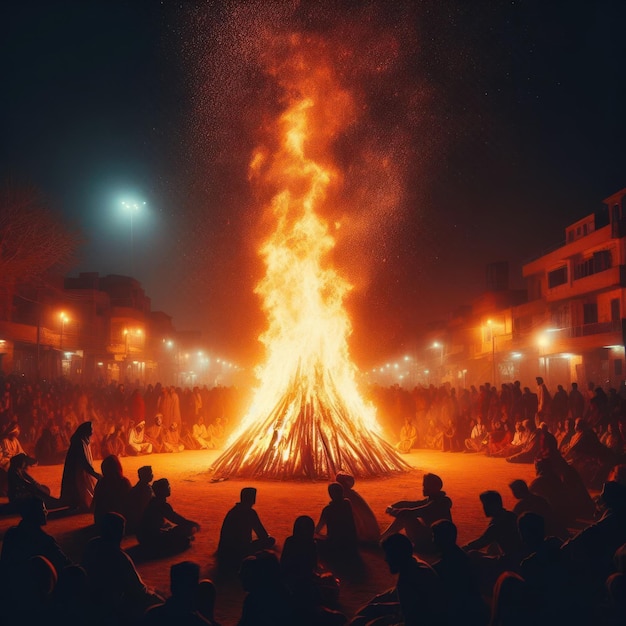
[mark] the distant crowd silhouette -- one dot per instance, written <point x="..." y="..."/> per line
<point x="558" y="557"/>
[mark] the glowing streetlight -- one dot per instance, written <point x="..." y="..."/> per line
<point x="132" y="208"/>
<point x="64" y="319"/>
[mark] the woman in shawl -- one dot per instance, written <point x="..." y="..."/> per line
<point x="79" y="476"/>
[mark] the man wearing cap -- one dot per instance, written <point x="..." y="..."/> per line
<point x="236" y="535"/>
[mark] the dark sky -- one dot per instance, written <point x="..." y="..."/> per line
<point x="507" y="120"/>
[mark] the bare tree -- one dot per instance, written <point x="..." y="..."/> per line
<point x="33" y="241"/>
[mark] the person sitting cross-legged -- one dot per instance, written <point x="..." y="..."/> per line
<point x="416" y="517"/>
<point x="162" y="531"/>
<point x="236" y="533"/>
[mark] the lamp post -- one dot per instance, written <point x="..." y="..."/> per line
<point x="64" y="318"/>
<point x="132" y="208"/>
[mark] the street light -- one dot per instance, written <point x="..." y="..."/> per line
<point x="132" y="208"/>
<point x="64" y="318"/>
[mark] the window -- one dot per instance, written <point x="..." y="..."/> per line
<point x="557" y="277"/>
<point x="615" y="310"/>
<point x="590" y="313"/>
<point x="599" y="262"/>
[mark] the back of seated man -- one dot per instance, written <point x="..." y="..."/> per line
<point x="236" y="533"/>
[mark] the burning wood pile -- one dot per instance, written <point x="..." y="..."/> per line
<point x="307" y="419"/>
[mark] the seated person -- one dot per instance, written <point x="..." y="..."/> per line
<point x="416" y="597"/>
<point x="408" y="436"/>
<point x="9" y="447"/>
<point x="138" y="498"/>
<point x="136" y="440"/>
<point x="155" y="433"/>
<point x="463" y="602"/>
<point x="201" y="436"/>
<point x="477" y="441"/>
<point x="111" y="491"/>
<point x="50" y="448"/>
<point x="24" y="541"/>
<point x="528" y="502"/>
<point x="416" y="517"/>
<point x="172" y="442"/>
<point x="22" y="485"/>
<point x="236" y="533"/>
<point x="337" y="518"/>
<point x="161" y="530"/>
<point x="501" y="536"/>
<point x="367" y="529"/>
<point x="182" y="606"/>
<point x="117" y="590"/>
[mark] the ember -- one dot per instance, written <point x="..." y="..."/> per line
<point x="307" y="418"/>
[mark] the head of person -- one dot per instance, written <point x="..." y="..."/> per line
<point x="161" y="488"/>
<point x="335" y="491"/>
<point x="112" y="526"/>
<point x="532" y="528"/>
<point x="345" y="480"/>
<point x="20" y="461"/>
<point x="304" y="527"/>
<point x="158" y="419"/>
<point x="574" y="386"/>
<point x="579" y="424"/>
<point x="13" y="430"/>
<point x="139" y="426"/>
<point x="111" y="467"/>
<point x="84" y="432"/>
<point x="614" y="495"/>
<point x="444" y="534"/>
<point x="491" y="501"/>
<point x="145" y="473"/>
<point x="398" y="550"/>
<point x="247" y="497"/>
<point x="42" y="575"/>
<point x="539" y="380"/>
<point x="519" y="488"/>
<point x="184" y="579"/>
<point x="206" y="594"/>
<point x="431" y="484"/>
<point x="33" y="511"/>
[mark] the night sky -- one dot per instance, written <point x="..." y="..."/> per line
<point x="505" y="121"/>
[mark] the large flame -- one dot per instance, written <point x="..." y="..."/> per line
<point x="307" y="418"/>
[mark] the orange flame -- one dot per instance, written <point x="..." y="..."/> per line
<point x="307" y="418"/>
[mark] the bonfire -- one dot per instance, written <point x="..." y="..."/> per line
<point x="307" y="419"/>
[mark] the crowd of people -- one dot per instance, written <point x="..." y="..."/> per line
<point x="560" y="554"/>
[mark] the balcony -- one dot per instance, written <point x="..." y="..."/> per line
<point x="607" y="279"/>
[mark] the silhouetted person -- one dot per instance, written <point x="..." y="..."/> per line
<point x="70" y="601"/>
<point x="138" y="498"/>
<point x="416" y="598"/>
<point x="24" y="541"/>
<point x="337" y="518"/>
<point x="34" y="607"/>
<point x="367" y="529"/>
<point x="236" y="533"/>
<point x="79" y="476"/>
<point x="111" y="491"/>
<point x="501" y="536"/>
<point x="180" y="608"/>
<point x="117" y="589"/>
<point x="528" y="502"/>
<point x="205" y="601"/>
<point x="416" y="517"/>
<point x="590" y="553"/>
<point x="162" y="531"/>
<point x="268" y="601"/>
<point x="463" y="603"/>
<point x="22" y="485"/>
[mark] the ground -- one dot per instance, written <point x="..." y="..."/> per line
<point x="279" y="503"/>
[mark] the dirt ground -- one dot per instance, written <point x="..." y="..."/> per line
<point x="279" y="503"/>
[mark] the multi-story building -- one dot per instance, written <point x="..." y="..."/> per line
<point x="576" y="298"/>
